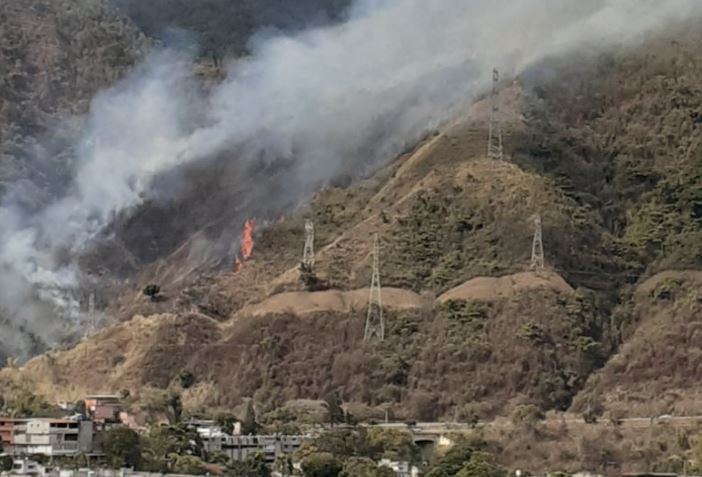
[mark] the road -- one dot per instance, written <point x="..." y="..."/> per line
<point x="440" y="428"/>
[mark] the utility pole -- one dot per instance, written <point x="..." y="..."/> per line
<point x="537" y="246"/>
<point x="375" y="323"/>
<point x="495" y="128"/>
<point x="308" y="254"/>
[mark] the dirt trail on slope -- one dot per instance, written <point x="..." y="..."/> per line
<point x="305" y="303"/>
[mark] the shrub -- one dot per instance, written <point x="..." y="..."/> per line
<point x="152" y="291"/>
<point x="321" y="464"/>
<point x="527" y="415"/>
<point x="187" y="379"/>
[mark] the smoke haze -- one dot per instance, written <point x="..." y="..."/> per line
<point x="332" y="99"/>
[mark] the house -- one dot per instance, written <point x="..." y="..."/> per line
<point x="401" y="469"/>
<point x="44" y="436"/>
<point x="103" y="408"/>
<point x="208" y="428"/>
<point x="8" y="426"/>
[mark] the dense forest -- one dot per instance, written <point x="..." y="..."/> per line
<point x="224" y="26"/>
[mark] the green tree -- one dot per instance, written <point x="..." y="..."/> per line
<point x="79" y="408"/>
<point x="187" y="379"/>
<point x="164" y="443"/>
<point x="527" y="416"/>
<point x="253" y="466"/>
<point x="175" y="407"/>
<point x="6" y="462"/>
<point x="122" y="447"/>
<point x="308" y="277"/>
<point x="481" y="464"/>
<point x="321" y="464"/>
<point x="394" y="445"/>
<point x="249" y="425"/>
<point x="455" y="459"/>
<point x="152" y="291"/>
<point x="335" y="414"/>
<point x="28" y="404"/>
<point x="188" y="464"/>
<point x="226" y="421"/>
<point x="284" y="465"/>
<point x="344" y="443"/>
<point x="364" y="467"/>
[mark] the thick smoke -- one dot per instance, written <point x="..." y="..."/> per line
<point x="344" y="97"/>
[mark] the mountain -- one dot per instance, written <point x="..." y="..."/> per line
<point x="603" y="146"/>
<point x="449" y="218"/>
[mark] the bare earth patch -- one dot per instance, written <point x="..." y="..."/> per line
<point x="496" y="288"/>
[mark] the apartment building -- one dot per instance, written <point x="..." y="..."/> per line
<point x="240" y="447"/>
<point x="44" y="436"/>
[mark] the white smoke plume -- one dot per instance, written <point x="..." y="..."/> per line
<point x="354" y="93"/>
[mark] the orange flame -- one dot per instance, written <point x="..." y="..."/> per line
<point x="247" y="244"/>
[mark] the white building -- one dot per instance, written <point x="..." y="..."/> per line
<point x="241" y="447"/>
<point x="401" y="469"/>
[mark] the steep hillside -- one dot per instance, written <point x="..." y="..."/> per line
<point x="54" y="57"/>
<point x="627" y="146"/>
<point x="445" y="215"/>
<point x="221" y="27"/>
<point x="657" y="370"/>
<point x="427" y="367"/>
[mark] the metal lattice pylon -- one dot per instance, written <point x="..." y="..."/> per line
<point x="495" y="150"/>
<point x="375" y="323"/>
<point x="537" y="246"/>
<point x="308" y="254"/>
<point x="91" y="304"/>
<point x="91" y="325"/>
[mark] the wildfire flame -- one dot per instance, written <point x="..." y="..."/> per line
<point x="247" y="244"/>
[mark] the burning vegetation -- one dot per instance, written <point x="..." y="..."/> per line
<point x="246" y="246"/>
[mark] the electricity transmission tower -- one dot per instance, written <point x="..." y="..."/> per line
<point x="91" y="313"/>
<point x="537" y="246"/>
<point x="495" y="127"/>
<point x="375" y="323"/>
<point x="308" y="254"/>
<point x="91" y="304"/>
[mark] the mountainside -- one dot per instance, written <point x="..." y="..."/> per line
<point x="221" y="27"/>
<point x="54" y="57"/>
<point x="445" y="215"/>
<point x="656" y="371"/>
<point x="605" y="148"/>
